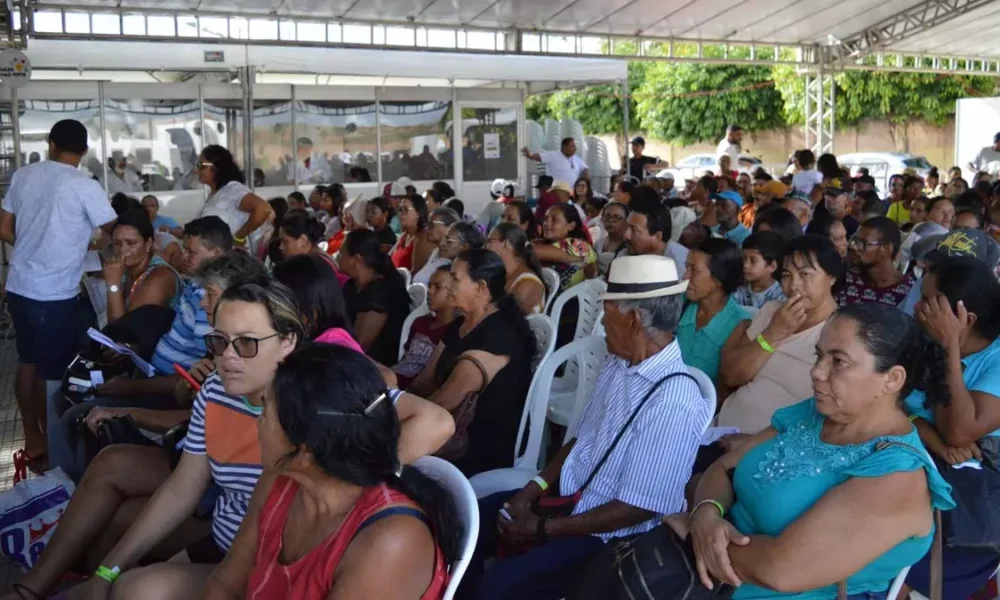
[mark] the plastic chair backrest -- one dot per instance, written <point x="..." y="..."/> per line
<point x="418" y="295"/>
<point x="599" y="324"/>
<point x="407" y="276"/>
<point x="467" y="508"/>
<point x="545" y="338"/>
<point x="551" y="280"/>
<point x="404" y="335"/>
<point x="590" y="352"/>
<point x="587" y="294"/>
<point x="707" y="388"/>
<point x="897" y="583"/>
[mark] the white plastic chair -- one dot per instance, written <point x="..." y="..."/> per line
<point x="545" y="338"/>
<point x="458" y="486"/>
<point x="707" y="388"/>
<point x="418" y="295"/>
<point x="590" y="352"/>
<point x="599" y="324"/>
<point x="407" y="276"/>
<point x="551" y="280"/>
<point x="560" y="401"/>
<point x="897" y="583"/>
<point x="404" y="335"/>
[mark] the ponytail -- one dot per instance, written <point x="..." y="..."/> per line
<point x="437" y="503"/>
<point x="932" y="364"/>
<point x="365" y="243"/>
<point x="511" y="310"/>
<point x="531" y="259"/>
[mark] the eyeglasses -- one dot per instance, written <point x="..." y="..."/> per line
<point x="205" y="165"/>
<point x="450" y="241"/>
<point x="612" y="218"/>
<point x="403" y="210"/>
<point x="439" y="223"/>
<point x="245" y="347"/>
<point x="863" y="243"/>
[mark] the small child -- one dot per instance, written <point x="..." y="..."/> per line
<point x="807" y="177"/>
<point x="427" y="331"/>
<point x="760" y="261"/>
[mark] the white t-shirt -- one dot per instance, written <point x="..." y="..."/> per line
<point x="805" y="181"/>
<point x="56" y="208"/>
<point x="988" y="160"/>
<point x="727" y="147"/>
<point x="225" y="204"/>
<point x="561" y="167"/>
<point x="126" y="183"/>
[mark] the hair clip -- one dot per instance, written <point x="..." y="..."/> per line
<point x="375" y="403"/>
<point x="399" y="471"/>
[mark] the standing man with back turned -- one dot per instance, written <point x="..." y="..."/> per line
<point x="48" y="215"/>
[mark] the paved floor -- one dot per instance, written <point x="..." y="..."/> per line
<point x="11" y="436"/>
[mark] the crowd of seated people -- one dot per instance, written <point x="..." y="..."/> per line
<point x="834" y="363"/>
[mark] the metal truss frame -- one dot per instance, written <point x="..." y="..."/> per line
<point x="820" y="110"/>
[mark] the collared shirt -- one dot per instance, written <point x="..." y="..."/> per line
<point x="652" y="462"/>
<point x="736" y="234"/>
<point x="561" y="167"/>
<point x="679" y="254"/>
<point x="745" y="296"/>
<point x="912" y="297"/>
<point x="184" y="344"/>
<point x="56" y="208"/>
<point x="701" y="347"/>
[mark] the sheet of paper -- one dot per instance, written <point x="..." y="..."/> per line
<point x="96" y="378"/>
<point x="92" y="262"/>
<point x="713" y="434"/>
<point x="114" y="346"/>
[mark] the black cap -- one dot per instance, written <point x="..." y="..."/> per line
<point x="996" y="138"/>
<point x="544" y="181"/>
<point x="639" y="140"/>
<point x="963" y="242"/>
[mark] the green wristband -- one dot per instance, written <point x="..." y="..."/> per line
<point x="764" y="345"/>
<point x="109" y="575"/>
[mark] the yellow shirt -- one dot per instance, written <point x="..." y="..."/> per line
<point x="898" y="214"/>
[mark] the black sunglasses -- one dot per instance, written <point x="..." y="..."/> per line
<point x="245" y="347"/>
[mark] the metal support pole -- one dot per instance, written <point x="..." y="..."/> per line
<point x="820" y="105"/>
<point x="104" y="135"/>
<point x="15" y="123"/>
<point x="522" y="142"/>
<point x="378" y="142"/>
<point x="808" y="110"/>
<point x="295" y="148"/>
<point x="248" y="120"/>
<point x="625" y="121"/>
<point x="457" y="125"/>
<point x="204" y="135"/>
<point x="832" y="107"/>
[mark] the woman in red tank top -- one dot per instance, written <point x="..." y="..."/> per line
<point x="299" y="234"/>
<point x="342" y="519"/>
<point x="412" y="248"/>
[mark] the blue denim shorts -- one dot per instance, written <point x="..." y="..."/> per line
<point x="48" y="333"/>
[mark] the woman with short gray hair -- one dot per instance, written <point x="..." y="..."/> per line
<point x="453" y="236"/>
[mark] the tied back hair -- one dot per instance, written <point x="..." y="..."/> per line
<point x="317" y="293"/>
<point x="365" y="243"/>
<point x="894" y="338"/>
<point x="322" y="392"/>
<point x="519" y="243"/>
<point x="485" y="266"/>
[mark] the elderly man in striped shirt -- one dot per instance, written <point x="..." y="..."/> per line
<point x="631" y="457"/>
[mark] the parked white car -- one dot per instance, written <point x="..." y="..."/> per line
<point x="694" y="166"/>
<point x="883" y="165"/>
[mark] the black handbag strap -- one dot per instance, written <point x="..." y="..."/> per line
<point x="635" y="413"/>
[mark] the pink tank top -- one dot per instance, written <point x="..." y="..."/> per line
<point x="311" y="577"/>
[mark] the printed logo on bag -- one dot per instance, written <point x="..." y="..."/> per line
<point x="28" y="515"/>
<point x="36" y="534"/>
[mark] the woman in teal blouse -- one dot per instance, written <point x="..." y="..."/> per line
<point x="959" y="307"/>
<point x="714" y="271"/>
<point x="839" y="487"/>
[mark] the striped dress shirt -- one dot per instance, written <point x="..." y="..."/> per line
<point x="652" y="463"/>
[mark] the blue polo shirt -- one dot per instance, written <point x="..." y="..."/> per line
<point x="701" y="347"/>
<point x="981" y="374"/>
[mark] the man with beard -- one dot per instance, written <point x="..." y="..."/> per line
<point x="873" y="276"/>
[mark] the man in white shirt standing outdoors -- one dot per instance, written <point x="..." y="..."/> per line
<point x="988" y="159"/>
<point x="564" y="165"/>
<point x="731" y="144"/>
<point x="49" y="215"/>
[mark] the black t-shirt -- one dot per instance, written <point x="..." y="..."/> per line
<point x="493" y="431"/>
<point x="386" y="237"/>
<point x="382" y="296"/>
<point x="851" y="225"/>
<point x="636" y="165"/>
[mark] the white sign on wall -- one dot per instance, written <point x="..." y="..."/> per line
<point x="491" y="146"/>
<point x="15" y="70"/>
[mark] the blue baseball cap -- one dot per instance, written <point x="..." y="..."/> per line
<point x="730" y="195"/>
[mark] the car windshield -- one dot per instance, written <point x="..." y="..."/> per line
<point x="917" y="163"/>
<point x="689" y="161"/>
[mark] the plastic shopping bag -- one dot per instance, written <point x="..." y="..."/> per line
<point x="29" y="513"/>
